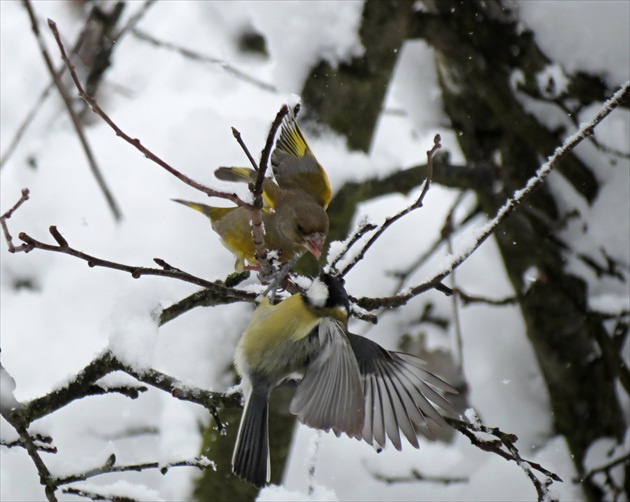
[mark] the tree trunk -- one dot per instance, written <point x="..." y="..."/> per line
<point x="474" y="61"/>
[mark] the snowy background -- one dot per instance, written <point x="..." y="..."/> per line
<point x="183" y="111"/>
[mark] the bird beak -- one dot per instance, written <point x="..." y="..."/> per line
<point x="314" y="243"/>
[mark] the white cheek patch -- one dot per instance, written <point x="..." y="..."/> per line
<point x="317" y="293"/>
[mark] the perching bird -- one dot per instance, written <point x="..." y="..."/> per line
<point x="349" y="384"/>
<point x="294" y="215"/>
<point x="295" y="226"/>
<point x="294" y="168"/>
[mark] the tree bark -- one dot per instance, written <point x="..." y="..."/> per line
<point x="475" y="42"/>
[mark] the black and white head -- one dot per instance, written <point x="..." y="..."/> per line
<point x="327" y="292"/>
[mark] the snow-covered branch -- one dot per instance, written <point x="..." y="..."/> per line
<point x="512" y="204"/>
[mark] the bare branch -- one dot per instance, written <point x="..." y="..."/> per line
<point x="468" y="299"/>
<point x="76" y="122"/>
<point x="389" y="221"/>
<point x="202" y="58"/>
<point x="609" y="479"/>
<point x="42" y="443"/>
<point x="133" y="20"/>
<point x="203" y="298"/>
<point x="84" y="382"/>
<point x="504" y="447"/>
<point x="416" y="476"/>
<point x="110" y="466"/>
<point x="92" y="495"/>
<point x="63" y="247"/>
<point x="135" y="142"/>
<point x="257" y="190"/>
<point x="3" y="222"/>
<point x="513" y="203"/>
<point x="14" y="418"/>
<point x="363" y="229"/>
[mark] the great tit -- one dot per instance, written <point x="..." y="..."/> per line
<point x="348" y="384"/>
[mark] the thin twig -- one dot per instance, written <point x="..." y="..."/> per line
<point x="76" y="122"/>
<point x="196" y="56"/>
<point x="363" y="229"/>
<point x="513" y="203"/>
<point x="133" y="20"/>
<point x="389" y="221"/>
<point x="37" y="440"/>
<point x="94" y="496"/>
<point x="135" y="271"/>
<point x="468" y="298"/>
<point x="416" y="476"/>
<point x="17" y="137"/>
<point x="83" y="382"/>
<point x="448" y="230"/>
<point x="257" y="190"/>
<point x="14" y="418"/>
<point x="19" y="133"/>
<point x="5" y="228"/>
<point x="110" y="466"/>
<point x="506" y="440"/>
<point x="135" y="142"/>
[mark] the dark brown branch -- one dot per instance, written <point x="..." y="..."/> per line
<point x="257" y="190"/>
<point x="135" y="271"/>
<point x="5" y="228"/>
<point x="76" y="122"/>
<point x="202" y="58"/>
<point x="389" y="221"/>
<point x="84" y="382"/>
<point x="92" y="495"/>
<point x="203" y="298"/>
<point x="42" y="443"/>
<point x="133" y="20"/>
<point x="468" y="299"/>
<point x="511" y="453"/>
<point x="16" y="420"/>
<point x="513" y="203"/>
<point x="135" y="142"/>
<point x="110" y="466"/>
<point x="415" y="476"/>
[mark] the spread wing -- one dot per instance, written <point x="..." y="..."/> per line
<point x="295" y="166"/>
<point x="399" y="394"/>
<point x="330" y="395"/>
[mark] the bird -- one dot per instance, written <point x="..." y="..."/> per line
<point x="348" y="384"/>
<point x="294" y="167"/>
<point x="294" y="213"/>
<point x="293" y="228"/>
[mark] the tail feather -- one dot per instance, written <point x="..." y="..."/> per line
<point x="251" y="452"/>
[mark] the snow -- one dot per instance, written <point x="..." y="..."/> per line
<point x="279" y="494"/>
<point x="595" y="38"/>
<point x="183" y="111"/>
<point x="317" y="293"/>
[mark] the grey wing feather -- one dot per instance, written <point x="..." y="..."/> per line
<point x="400" y="394"/>
<point x="330" y="395"/>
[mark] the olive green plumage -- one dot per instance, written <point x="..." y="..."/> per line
<point x="348" y="384"/>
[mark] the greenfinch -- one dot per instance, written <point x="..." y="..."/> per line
<point x="293" y="228"/>
<point x="294" y="166"/>
<point x="294" y="213"/>
<point x="348" y="384"/>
